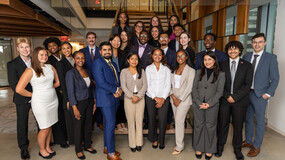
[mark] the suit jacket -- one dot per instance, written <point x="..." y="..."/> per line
<point x="144" y="60"/>
<point x="53" y="61"/>
<point x="220" y="55"/>
<point x="191" y="54"/>
<point x="16" y="68"/>
<point x="171" y="57"/>
<point x="242" y="82"/>
<point x="62" y="67"/>
<point x="172" y="45"/>
<point x="266" y="76"/>
<point x="115" y="30"/>
<point x="206" y="90"/>
<point x="186" y="83"/>
<point x="105" y="83"/>
<point x="88" y="59"/>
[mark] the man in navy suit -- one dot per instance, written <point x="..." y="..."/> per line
<point x="107" y="93"/>
<point x="265" y="82"/>
<point x="209" y="43"/>
<point x="177" y="29"/>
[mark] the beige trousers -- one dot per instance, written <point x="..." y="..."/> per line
<point x="134" y="113"/>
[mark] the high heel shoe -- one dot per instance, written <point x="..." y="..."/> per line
<point x="198" y="156"/>
<point x="208" y="157"/>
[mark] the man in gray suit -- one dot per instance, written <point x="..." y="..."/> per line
<point x="265" y="82"/>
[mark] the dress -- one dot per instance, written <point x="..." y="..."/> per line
<point x="44" y="99"/>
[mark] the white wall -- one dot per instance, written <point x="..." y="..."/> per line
<point x="276" y="107"/>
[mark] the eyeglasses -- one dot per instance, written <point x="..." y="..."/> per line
<point x="180" y="56"/>
<point x="139" y="26"/>
<point x="154" y="31"/>
<point x="162" y="38"/>
<point x="143" y="35"/>
<point x="259" y="42"/>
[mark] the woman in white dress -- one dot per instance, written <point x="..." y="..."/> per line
<point x="44" y="80"/>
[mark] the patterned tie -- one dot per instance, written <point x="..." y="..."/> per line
<point x="254" y="61"/>
<point x="114" y="72"/>
<point x="233" y="72"/>
<point x="92" y="55"/>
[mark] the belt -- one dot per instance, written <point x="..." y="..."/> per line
<point x="251" y="90"/>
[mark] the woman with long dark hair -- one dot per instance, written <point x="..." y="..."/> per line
<point x="134" y="85"/>
<point x="126" y="42"/>
<point x="208" y="88"/>
<point x="138" y="27"/>
<point x="81" y="99"/>
<point x="187" y="45"/>
<point x="155" y="21"/>
<point x="43" y="78"/>
<point x="154" y="36"/>
<point x="157" y="99"/>
<point x="122" y="24"/>
<point x="174" y="19"/>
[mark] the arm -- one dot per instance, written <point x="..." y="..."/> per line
<point x="142" y="91"/>
<point x="123" y="78"/>
<point x="61" y="77"/>
<point x="56" y="80"/>
<point x="70" y="82"/>
<point x="219" y="90"/>
<point x="273" y="76"/>
<point x="167" y="86"/>
<point x="195" y="90"/>
<point x="12" y="76"/>
<point x="148" y="78"/>
<point x="23" y="82"/>
<point x="188" y="88"/>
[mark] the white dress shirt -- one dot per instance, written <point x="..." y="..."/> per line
<point x="237" y="61"/>
<point x="256" y="64"/>
<point x="177" y="45"/>
<point x="94" y="49"/>
<point x="28" y="64"/>
<point x="165" y="50"/>
<point x="159" y="81"/>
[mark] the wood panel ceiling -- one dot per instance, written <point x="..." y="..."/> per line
<point x="18" y="19"/>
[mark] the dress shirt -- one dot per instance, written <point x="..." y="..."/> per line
<point x="236" y="60"/>
<point x="159" y="81"/>
<point x="165" y="50"/>
<point x="141" y="49"/>
<point x="28" y="64"/>
<point x="94" y="50"/>
<point x="176" y="45"/>
<point x="177" y="79"/>
<point x="58" y="59"/>
<point x="116" y="60"/>
<point x="107" y="60"/>
<point x="212" y="50"/>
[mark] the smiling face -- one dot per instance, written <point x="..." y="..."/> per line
<point x="209" y="62"/>
<point x="91" y="39"/>
<point x="154" y="33"/>
<point x="124" y="37"/>
<point x="53" y="48"/>
<point x="209" y="42"/>
<point x="181" y="57"/>
<point x="66" y="50"/>
<point x="116" y="42"/>
<point x="258" y="44"/>
<point x="133" y="60"/>
<point x="143" y="38"/>
<point x="154" y="21"/>
<point x="138" y="27"/>
<point x="157" y="56"/>
<point x="106" y="52"/>
<point x="24" y="49"/>
<point x="79" y="59"/>
<point x="123" y="18"/>
<point x="233" y="53"/>
<point x="173" y="21"/>
<point x="164" y="39"/>
<point x="184" y="39"/>
<point x="42" y="56"/>
<point x="177" y="31"/>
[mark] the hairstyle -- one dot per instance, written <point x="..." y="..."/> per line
<point x="35" y="61"/>
<point x="143" y="28"/>
<point x="169" y="30"/>
<point x="77" y="73"/>
<point x="178" y="25"/>
<point x="188" y="61"/>
<point x="216" y="68"/>
<point x="118" y="22"/>
<point x="89" y="33"/>
<point x="190" y="43"/>
<point x="129" y="42"/>
<point x="257" y="35"/>
<point x="211" y="34"/>
<point x="63" y="43"/>
<point x="163" y="60"/>
<point x="139" y="69"/>
<point x="159" y="22"/>
<point x="104" y="44"/>
<point x="23" y="40"/>
<point x="159" y="31"/>
<point x="52" y="39"/>
<point x="234" y="44"/>
<point x="113" y="37"/>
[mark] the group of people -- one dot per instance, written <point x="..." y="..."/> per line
<point x="137" y="76"/>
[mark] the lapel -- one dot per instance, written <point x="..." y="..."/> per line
<point x="261" y="61"/>
<point x="21" y="62"/>
<point x="184" y="74"/>
<point x="204" y="79"/>
<point x="146" y="50"/>
<point x="227" y="70"/>
<point x="67" y="64"/>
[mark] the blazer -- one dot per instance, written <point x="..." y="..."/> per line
<point x="266" y="76"/>
<point x="171" y="57"/>
<point x="191" y="54"/>
<point x="53" y="61"/>
<point x="172" y="45"/>
<point x="183" y="93"/>
<point x="242" y="82"/>
<point x="135" y="40"/>
<point x="62" y="67"/>
<point x="115" y="30"/>
<point x="220" y="55"/>
<point x="77" y="89"/>
<point x="88" y="59"/>
<point x="128" y="83"/>
<point x="144" y="60"/>
<point x="16" y="68"/>
<point x="105" y="83"/>
<point x="205" y="90"/>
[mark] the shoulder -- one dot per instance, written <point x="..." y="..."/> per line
<point x="124" y="71"/>
<point x="222" y="74"/>
<point x="200" y="54"/>
<point x="189" y="69"/>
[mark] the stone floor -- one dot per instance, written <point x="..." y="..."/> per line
<point x="272" y="148"/>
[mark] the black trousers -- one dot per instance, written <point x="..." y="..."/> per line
<point x="82" y="127"/>
<point x="69" y="125"/>
<point x="238" y="114"/>
<point x="22" y="125"/>
<point x="120" y="114"/>
<point x="162" y="118"/>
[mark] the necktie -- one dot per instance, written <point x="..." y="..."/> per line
<point x="114" y="72"/>
<point x="233" y="72"/>
<point x="142" y="46"/>
<point x="254" y="61"/>
<point x="92" y="55"/>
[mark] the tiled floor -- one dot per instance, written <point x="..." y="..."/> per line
<point x="272" y="148"/>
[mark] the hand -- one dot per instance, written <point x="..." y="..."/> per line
<point x="159" y="102"/>
<point x="204" y="106"/>
<point x="94" y="108"/>
<point x="120" y="91"/>
<point x="231" y="100"/>
<point x="176" y="101"/>
<point x="76" y="112"/>
<point x="264" y="96"/>
<point x="135" y="99"/>
<point x="116" y="95"/>
<point x="67" y="105"/>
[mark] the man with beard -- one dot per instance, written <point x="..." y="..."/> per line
<point x="107" y="93"/>
<point x="58" y="129"/>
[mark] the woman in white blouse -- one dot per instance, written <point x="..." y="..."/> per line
<point x="157" y="96"/>
<point x="181" y="87"/>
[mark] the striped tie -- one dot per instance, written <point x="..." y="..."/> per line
<point x="114" y="72"/>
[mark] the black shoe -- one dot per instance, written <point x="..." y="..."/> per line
<point x="53" y="153"/>
<point x="139" y="148"/>
<point x="133" y="149"/>
<point x="64" y="145"/>
<point x="219" y="151"/>
<point x="45" y="157"/>
<point x="81" y="157"/>
<point x="145" y="126"/>
<point x="208" y="157"/>
<point x="161" y="147"/>
<point x="92" y="152"/>
<point x="153" y="146"/>
<point x="25" y="154"/>
<point x="239" y="156"/>
<point x="51" y="143"/>
<point x="198" y="156"/>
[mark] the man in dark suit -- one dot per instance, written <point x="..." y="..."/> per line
<point x="107" y="93"/>
<point x="143" y="49"/>
<point x="174" y="44"/>
<point x="52" y="44"/>
<point x="16" y="68"/>
<point x="209" y="43"/>
<point x="264" y="84"/>
<point x="235" y="100"/>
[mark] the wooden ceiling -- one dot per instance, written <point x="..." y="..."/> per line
<point x="18" y="19"/>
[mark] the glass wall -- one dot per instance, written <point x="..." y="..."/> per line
<point x="231" y="20"/>
<point x="5" y="56"/>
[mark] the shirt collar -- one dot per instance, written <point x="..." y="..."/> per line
<point x="211" y="50"/>
<point x="259" y="53"/>
<point x="236" y="60"/>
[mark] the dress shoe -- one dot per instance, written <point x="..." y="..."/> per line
<point x="239" y="156"/>
<point x="53" y="153"/>
<point x="219" y="151"/>
<point x="101" y="126"/>
<point x="81" y="157"/>
<point x="208" y="157"/>
<point x="45" y="157"/>
<point x="253" y="152"/>
<point x="112" y="156"/>
<point x="245" y="144"/>
<point x="198" y="156"/>
<point x="92" y="152"/>
<point x="25" y="154"/>
<point x="105" y="152"/>
<point x="133" y="149"/>
<point x="167" y="127"/>
<point x="139" y="148"/>
<point x="161" y="147"/>
<point x="64" y="145"/>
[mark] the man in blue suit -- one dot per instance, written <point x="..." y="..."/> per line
<point x="170" y="54"/>
<point x="265" y="82"/>
<point x="209" y="43"/>
<point x="107" y="93"/>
